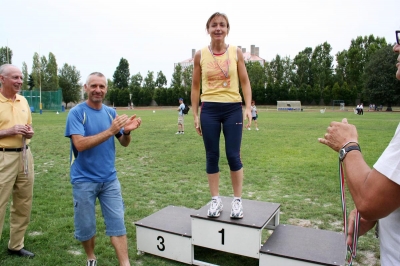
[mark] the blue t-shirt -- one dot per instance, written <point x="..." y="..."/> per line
<point x="98" y="163"/>
<point x="181" y="107"/>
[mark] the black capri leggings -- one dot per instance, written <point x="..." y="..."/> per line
<point x="229" y="117"/>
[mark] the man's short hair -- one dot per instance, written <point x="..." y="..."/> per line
<point x="4" y="67"/>
<point x="3" y="70"/>
<point x="99" y="74"/>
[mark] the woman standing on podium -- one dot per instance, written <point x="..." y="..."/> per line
<point x="219" y="67"/>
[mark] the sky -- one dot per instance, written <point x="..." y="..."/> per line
<point x="154" y="34"/>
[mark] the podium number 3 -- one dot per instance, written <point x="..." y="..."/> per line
<point x="161" y="247"/>
<point x="222" y="232"/>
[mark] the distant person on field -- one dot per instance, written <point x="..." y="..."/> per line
<point x="254" y="114"/>
<point x="361" y="109"/>
<point x="181" y="127"/>
<point x="219" y="67"/>
<point x="376" y="191"/>
<point x="91" y="126"/>
<point x="16" y="161"/>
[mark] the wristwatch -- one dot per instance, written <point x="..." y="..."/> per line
<point x="344" y="151"/>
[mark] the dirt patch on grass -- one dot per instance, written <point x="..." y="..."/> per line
<point x="305" y="223"/>
<point x="35" y="233"/>
<point x="368" y="258"/>
<point x="75" y="252"/>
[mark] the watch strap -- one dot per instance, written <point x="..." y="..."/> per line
<point x="349" y="149"/>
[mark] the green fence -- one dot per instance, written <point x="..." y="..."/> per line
<point x="51" y="100"/>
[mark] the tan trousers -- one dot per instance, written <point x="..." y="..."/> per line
<point x="14" y="181"/>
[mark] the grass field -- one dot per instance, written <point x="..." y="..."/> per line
<point x="283" y="163"/>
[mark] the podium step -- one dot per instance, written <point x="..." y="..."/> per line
<point x="300" y="246"/>
<point x="167" y="233"/>
<point x="237" y="236"/>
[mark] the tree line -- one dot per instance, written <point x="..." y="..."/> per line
<point x="363" y="73"/>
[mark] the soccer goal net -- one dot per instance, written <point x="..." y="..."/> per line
<point x="288" y="106"/>
<point x="51" y="100"/>
<point x="338" y="105"/>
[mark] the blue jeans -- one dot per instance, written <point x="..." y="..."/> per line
<point x="112" y="208"/>
<point x="229" y="117"/>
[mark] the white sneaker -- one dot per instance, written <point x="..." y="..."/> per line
<point x="215" y="208"/>
<point x="177" y="133"/>
<point x="256" y="128"/>
<point x="182" y="132"/>
<point x="248" y="128"/>
<point x="237" y="209"/>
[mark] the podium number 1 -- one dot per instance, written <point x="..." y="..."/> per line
<point x="222" y="232"/>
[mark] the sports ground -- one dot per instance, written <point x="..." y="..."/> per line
<point x="283" y="163"/>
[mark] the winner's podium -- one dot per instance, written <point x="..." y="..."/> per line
<point x="173" y="232"/>
<point x="237" y="236"/>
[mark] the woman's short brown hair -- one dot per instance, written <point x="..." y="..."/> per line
<point x="216" y="14"/>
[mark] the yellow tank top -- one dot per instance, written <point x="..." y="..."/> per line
<point x="215" y="86"/>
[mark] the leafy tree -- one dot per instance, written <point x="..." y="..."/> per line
<point x="302" y="67"/>
<point x="288" y="76"/>
<point x="135" y="86"/>
<point x="327" y="95"/>
<point x="148" y="81"/>
<point x="187" y="75"/>
<point x="31" y="82"/>
<point x="112" y="93"/>
<point x="36" y="70"/>
<point x="361" y="49"/>
<point x="336" y="92"/>
<point x="341" y="66"/>
<point x="269" y="90"/>
<point x="149" y="86"/>
<point x="121" y="74"/>
<point x="343" y="93"/>
<point x="112" y="96"/>
<point x="110" y="84"/>
<point x="161" y="80"/>
<point x="257" y="79"/>
<point x="69" y="78"/>
<point x="25" y="85"/>
<point x="176" y="81"/>
<point x="51" y="73"/>
<point x="279" y="76"/>
<point x="5" y="55"/>
<point x="122" y="97"/>
<point x="44" y="76"/>
<point x="321" y="67"/>
<point x="302" y="93"/>
<point x="293" y="93"/>
<point x="381" y="85"/>
<point x="160" y="96"/>
<point x="314" y="94"/>
<point x="160" y="93"/>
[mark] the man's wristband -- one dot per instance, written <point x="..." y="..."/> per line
<point x="118" y="135"/>
<point x="126" y="134"/>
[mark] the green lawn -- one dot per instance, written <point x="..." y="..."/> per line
<point x="283" y="163"/>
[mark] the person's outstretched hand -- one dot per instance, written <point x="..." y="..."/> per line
<point x="338" y="134"/>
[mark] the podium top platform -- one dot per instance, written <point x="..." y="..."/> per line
<point x="256" y="213"/>
<point x="171" y="219"/>
<point x="306" y="244"/>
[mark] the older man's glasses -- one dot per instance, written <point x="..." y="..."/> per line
<point x="398" y="37"/>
